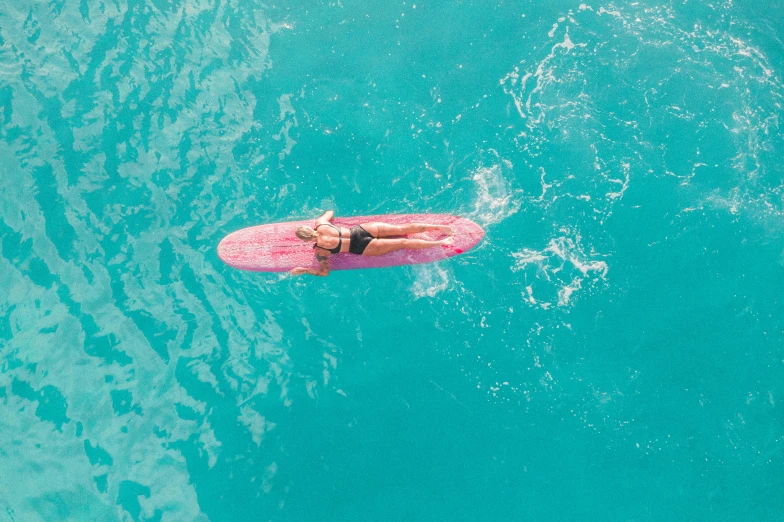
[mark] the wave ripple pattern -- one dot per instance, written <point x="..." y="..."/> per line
<point x="120" y="344"/>
<point x="620" y="321"/>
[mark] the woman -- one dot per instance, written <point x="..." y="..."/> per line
<point x="367" y="239"/>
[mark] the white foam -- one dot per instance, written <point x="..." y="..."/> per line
<point x="429" y="281"/>
<point x="616" y="14"/>
<point x="558" y="271"/>
<point x="566" y="292"/>
<point x="526" y="257"/>
<point x="495" y="199"/>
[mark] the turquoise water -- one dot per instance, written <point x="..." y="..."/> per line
<point x="613" y="350"/>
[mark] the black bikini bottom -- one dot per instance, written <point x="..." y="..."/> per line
<point x="360" y="239"/>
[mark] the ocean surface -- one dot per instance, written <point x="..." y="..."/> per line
<point x="612" y="350"/>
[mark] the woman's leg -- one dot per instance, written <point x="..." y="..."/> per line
<point x="378" y="229"/>
<point x="379" y="247"/>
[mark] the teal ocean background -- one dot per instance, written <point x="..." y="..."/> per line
<point x="613" y="350"/>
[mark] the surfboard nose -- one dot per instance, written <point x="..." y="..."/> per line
<point x="228" y="250"/>
<point x="222" y="247"/>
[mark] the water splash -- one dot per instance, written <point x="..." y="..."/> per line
<point x="495" y="198"/>
<point x="429" y="280"/>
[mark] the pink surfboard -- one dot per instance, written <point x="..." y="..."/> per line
<point x="275" y="248"/>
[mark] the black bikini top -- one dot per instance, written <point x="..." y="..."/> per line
<point x="335" y="250"/>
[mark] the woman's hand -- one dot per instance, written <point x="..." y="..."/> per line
<point x="322" y="256"/>
<point x="325" y="218"/>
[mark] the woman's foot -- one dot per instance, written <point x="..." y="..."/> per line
<point x="447" y="241"/>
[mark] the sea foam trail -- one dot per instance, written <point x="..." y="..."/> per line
<point x="554" y="275"/>
<point x="702" y="126"/>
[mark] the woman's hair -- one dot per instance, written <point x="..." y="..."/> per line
<point x="306" y="233"/>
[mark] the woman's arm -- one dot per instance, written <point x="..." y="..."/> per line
<point x="322" y="256"/>
<point x="326" y="217"/>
